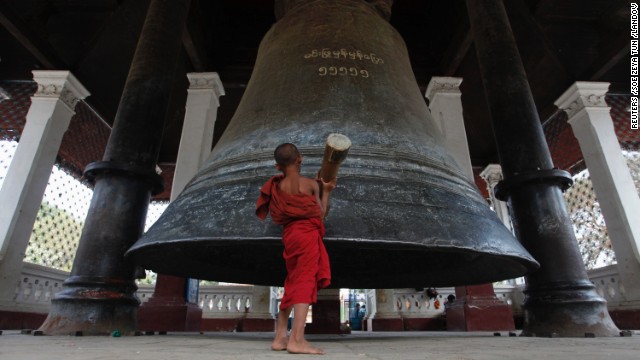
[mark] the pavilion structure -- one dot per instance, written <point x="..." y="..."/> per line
<point x="137" y="124"/>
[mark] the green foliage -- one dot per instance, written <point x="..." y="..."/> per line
<point x="150" y="278"/>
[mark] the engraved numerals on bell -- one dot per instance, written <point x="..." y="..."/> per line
<point x="342" y="71"/>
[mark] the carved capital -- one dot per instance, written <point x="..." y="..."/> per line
<point x="61" y="85"/>
<point x="443" y="85"/>
<point x="492" y="174"/>
<point x="581" y="95"/>
<point x="206" y="81"/>
<point x="4" y="95"/>
<point x="57" y="91"/>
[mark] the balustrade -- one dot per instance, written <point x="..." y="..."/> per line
<point x="225" y="301"/>
<point x="38" y="284"/>
<point x="36" y="287"/>
<point x="608" y="285"/>
<point x="412" y="303"/>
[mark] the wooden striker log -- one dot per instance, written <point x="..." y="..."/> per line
<point x="335" y="152"/>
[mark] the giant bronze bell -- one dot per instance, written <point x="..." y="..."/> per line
<point x="403" y="214"/>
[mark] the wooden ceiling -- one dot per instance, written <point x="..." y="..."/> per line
<point x="560" y="42"/>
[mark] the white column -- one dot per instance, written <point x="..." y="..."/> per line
<point x="446" y="108"/>
<point x="3" y="95"/>
<point x="203" y="97"/>
<point x="261" y="303"/>
<point x="592" y="125"/>
<point x="48" y="118"/>
<point x="492" y="175"/>
<point x="385" y="308"/>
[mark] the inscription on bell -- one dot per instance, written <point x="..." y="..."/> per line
<point x="342" y="71"/>
<point x="344" y="54"/>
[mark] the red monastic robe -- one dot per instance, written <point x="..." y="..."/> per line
<point x="304" y="252"/>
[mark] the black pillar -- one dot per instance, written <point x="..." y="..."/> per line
<point x="560" y="299"/>
<point x="98" y="297"/>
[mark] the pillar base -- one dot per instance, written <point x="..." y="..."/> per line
<point x="93" y="308"/>
<point x="326" y="318"/>
<point x="424" y="324"/>
<point x="15" y="320"/>
<point x="258" y="325"/>
<point x="478" y="309"/>
<point x="479" y="314"/>
<point x="221" y="324"/>
<point x="626" y="319"/>
<point x="159" y="315"/>
<point x="566" y="310"/>
<point x="168" y="309"/>
<point x="385" y="324"/>
<point x="405" y="324"/>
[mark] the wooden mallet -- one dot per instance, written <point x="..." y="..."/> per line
<point x="335" y="152"/>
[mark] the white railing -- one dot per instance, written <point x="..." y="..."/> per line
<point x="145" y="292"/>
<point x="225" y="301"/>
<point x="38" y="284"/>
<point x="512" y="295"/>
<point x="216" y="301"/>
<point x="411" y="303"/>
<point x="608" y="285"/>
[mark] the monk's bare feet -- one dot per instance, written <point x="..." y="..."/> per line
<point x="279" y="344"/>
<point x="303" y="347"/>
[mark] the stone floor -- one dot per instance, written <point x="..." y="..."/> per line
<point x="359" y="345"/>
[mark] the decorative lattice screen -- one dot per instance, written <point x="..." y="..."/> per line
<point x="64" y="206"/>
<point x="582" y="203"/>
<point x="56" y="231"/>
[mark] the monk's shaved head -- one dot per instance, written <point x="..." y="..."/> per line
<point x="286" y="154"/>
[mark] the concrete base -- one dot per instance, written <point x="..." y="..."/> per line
<point x="480" y="315"/>
<point x="238" y="325"/>
<point x="258" y="325"/>
<point x="405" y="324"/>
<point x="385" y="324"/>
<point x="326" y="318"/>
<point x="221" y="325"/>
<point x="478" y="309"/>
<point x="159" y="316"/>
<point x="626" y="319"/>
<point x="424" y="324"/>
<point x="13" y="320"/>
<point x="168" y="308"/>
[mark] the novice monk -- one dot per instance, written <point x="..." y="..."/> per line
<point x="294" y="202"/>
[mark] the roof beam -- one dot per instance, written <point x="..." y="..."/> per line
<point x="458" y="48"/>
<point x="33" y="42"/>
<point x="454" y="56"/>
<point x="518" y="11"/>
<point x="196" y="56"/>
<point x="193" y="38"/>
<point x="619" y="50"/>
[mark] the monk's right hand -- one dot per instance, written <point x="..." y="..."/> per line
<point x="328" y="186"/>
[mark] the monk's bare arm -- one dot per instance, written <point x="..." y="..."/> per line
<point x="314" y="188"/>
<point x="327" y="188"/>
<point x="316" y="193"/>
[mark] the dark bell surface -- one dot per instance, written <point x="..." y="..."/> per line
<point x="403" y="210"/>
